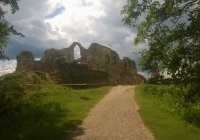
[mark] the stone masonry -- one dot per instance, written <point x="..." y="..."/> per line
<point x="97" y="64"/>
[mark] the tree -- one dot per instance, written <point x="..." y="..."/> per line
<point x="172" y="30"/>
<point x="5" y="28"/>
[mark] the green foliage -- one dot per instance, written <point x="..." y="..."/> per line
<point x="161" y="108"/>
<point x="12" y="88"/>
<point x="177" y="100"/>
<point x="5" y="28"/>
<point x="192" y="114"/>
<point x="47" y="113"/>
<point x="171" y="28"/>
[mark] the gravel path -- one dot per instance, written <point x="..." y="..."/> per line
<point x="115" y="117"/>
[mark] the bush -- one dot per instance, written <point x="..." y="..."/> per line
<point x="185" y="102"/>
<point x="12" y="89"/>
<point x="192" y="115"/>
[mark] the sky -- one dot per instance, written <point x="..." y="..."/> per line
<point x="58" y="23"/>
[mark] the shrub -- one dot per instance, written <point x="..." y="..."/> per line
<point x="12" y="89"/>
<point x="192" y="114"/>
<point x="185" y="102"/>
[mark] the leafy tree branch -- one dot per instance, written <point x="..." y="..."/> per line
<point x="5" y="28"/>
<point x="171" y="29"/>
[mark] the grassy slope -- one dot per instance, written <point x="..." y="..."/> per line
<point x="48" y="113"/>
<point x="163" y="124"/>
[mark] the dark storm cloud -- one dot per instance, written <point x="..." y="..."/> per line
<point x="38" y="34"/>
<point x="36" y="38"/>
<point x="15" y="47"/>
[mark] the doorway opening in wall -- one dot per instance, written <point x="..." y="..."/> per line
<point x="77" y="53"/>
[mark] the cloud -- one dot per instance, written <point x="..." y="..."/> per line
<point x="7" y="66"/>
<point x="84" y="21"/>
<point x="145" y="74"/>
<point x="57" y="12"/>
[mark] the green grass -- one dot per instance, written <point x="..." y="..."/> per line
<point x="48" y="113"/>
<point x="159" y="117"/>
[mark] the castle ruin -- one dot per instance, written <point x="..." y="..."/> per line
<point x="98" y="64"/>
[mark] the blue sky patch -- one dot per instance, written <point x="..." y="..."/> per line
<point x="57" y="12"/>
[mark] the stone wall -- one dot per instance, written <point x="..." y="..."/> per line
<point x="25" y="61"/>
<point x="97" y="64"/>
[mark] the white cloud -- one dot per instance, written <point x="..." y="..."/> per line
<point x="145" y="74"/>
<point x="7" y="66"/>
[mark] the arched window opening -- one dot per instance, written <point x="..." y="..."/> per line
<point x="77" y="52"/>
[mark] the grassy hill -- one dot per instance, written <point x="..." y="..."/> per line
<point x="48" y="112"/>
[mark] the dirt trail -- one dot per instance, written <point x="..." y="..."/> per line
<point x="115" y="117"/>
